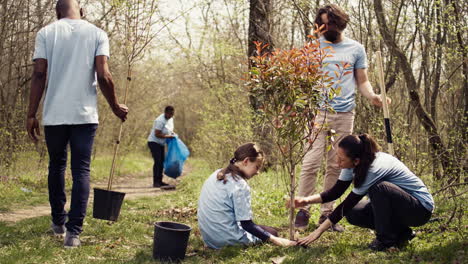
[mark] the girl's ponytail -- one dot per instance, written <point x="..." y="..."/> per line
<point x="248" y="150"/>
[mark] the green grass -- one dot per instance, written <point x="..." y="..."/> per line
<point x="130" y="239"/>
<point x="27" y="181"/>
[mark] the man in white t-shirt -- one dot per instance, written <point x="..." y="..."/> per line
<point x="69" y="54"/>
<point x="163" y="127"/>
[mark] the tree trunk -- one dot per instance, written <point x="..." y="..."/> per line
<point x="292" y="186"/>
<point x="434" y="138"/>
<point x="259" y="24"/>
<point x="260" y="28"/>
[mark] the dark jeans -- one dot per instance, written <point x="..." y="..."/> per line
<point x="390" y="212"/>
<point x="80" y="138"/>
<point x="157" y="151"/>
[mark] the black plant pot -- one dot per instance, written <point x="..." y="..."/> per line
<point x="107" y="204"/>
<point x="170" y="241"/>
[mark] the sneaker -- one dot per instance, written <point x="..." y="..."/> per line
<point x="334" y="227"/>
<point x="405" y="237"/>
<point x="302" y="219"/>
<point x="164" y="186"/>
<point x="58" y="230"/>
<point x="377" y="245"/>
<point x="71" y="240"/>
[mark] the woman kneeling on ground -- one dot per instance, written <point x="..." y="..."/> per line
<point x="398" y="198"/>
<point x="224" y="208"/>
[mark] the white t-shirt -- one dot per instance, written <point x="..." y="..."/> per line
<point x="166" y="127"/>
<point x="70" y="47"/>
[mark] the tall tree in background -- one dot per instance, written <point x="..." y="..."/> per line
<point x="260" y="25"/>
<point x="449" y="165"/>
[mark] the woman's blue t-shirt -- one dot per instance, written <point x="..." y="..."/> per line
<point x="385" y="167"/>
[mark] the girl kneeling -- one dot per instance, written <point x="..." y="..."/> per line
<point x="398" y="198"/>
<point x="224" y="208"/>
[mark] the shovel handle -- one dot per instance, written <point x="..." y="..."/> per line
<point x="383" y="92"/>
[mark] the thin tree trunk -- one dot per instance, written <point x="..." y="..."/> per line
<point x="292" y="176"/>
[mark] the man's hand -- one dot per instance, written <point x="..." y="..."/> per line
<point x="121" y="111"/>
<point x="32" y="126"/>
<point x="377" y="100"/>
<point x="282" y="242"/>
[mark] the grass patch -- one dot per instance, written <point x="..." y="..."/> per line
<point x="27" y="181"/>
<point x="130" y="239"/>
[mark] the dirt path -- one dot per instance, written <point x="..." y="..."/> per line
<point x="134" y="187"/>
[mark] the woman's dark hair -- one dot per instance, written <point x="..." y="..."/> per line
<point x="336" y="16"/>
<point x="248" y="150"/>
<point x="168" y="109"/>
<point x="362" y="147"/>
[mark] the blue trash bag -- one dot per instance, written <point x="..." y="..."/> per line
<point x="176" y="155"/>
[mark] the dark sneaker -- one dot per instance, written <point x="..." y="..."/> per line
<point x="333" y="228"/>
<point x="71" y="240"/>
<point x="405" y="237"/>
<point x="377" y="245"/>
<point x="302" y="219"/>
<point x="58" y="230"/>
<point x="164" y="186"/>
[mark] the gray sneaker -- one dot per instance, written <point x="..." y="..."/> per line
<point x="71" y="240"/>
<point x="58" y="230"/>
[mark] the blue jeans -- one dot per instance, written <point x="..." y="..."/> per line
<point x="80" y="138"/>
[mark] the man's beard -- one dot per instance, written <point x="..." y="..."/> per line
<point x="331" y="35"/>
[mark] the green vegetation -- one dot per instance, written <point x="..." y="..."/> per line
<point x="27" y="184"/>
<point x="130" y="239"/>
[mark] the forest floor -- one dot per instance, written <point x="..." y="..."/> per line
<point x="134" y="186"/>
<point x="130" y="239"/>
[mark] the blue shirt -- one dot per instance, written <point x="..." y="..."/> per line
<point x="385" y="167"/>
<point x="221" y="207"/>
<point x="347" y="51"/>
<point x="161" y="123"/>
<point x="70" y="47"/>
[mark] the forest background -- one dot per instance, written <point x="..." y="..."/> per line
<point x="194" y="56"/>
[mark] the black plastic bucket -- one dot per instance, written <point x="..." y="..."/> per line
<point x="107" y="204"/>
<point x="170" y="241"/>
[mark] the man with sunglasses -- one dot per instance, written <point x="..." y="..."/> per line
<point x="349" y="54"/>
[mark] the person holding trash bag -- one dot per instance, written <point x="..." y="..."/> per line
<point x="68" y="55"/>
<point x="350" y="55"/>
<point x="162" y="129"/>
<point x="224" y="208"/>
<point x="398" y="198"/>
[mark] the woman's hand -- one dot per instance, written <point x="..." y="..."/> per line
<point x="316" y="234"/>
<point x="283" y="242"/>
<point x="300" y="201"/>
<point x="310" y="238"/>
